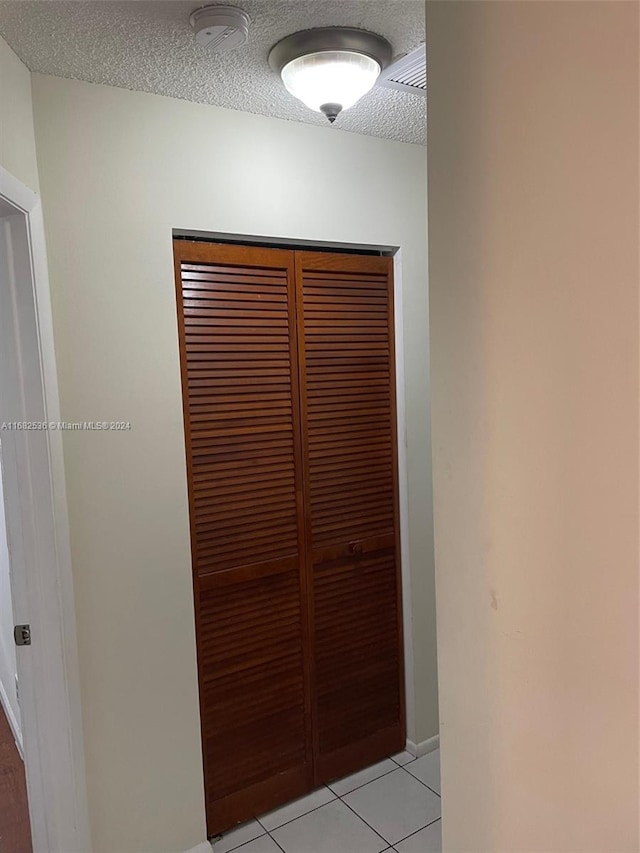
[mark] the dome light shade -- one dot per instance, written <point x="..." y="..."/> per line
<point x="329" y="79"/>
<point x="331" y="68"/>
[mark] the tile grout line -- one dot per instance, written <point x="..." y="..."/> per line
<point x="417" y="831"/>
<point x="369" y="825"/>
<point x="340" y="797"/>
<point x="275" y="842"/>
<point x="386" y="840"/>
<point x="244" y="843"/>
<point x="364" y="784"/>
<point x="422" y="783"/>
<point x="410" y="761"/>
<point x="335" y="797"/>
<point x="314" y="809"/>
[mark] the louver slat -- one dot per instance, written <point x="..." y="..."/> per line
<point x="345" y="314"/>
<point x="236" y="315"/>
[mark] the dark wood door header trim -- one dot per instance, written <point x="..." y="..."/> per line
<point x="284" y="243"/>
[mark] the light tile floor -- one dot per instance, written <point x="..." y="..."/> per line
<point x="392" y="806"/>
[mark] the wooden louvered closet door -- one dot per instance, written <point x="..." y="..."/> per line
<point x="289" y="408"/>
<point x="346" y="342"/>
<point x="237" y="329"/>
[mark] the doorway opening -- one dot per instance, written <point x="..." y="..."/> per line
<point x="289" y="389"/>
<point x="37" y="583"/>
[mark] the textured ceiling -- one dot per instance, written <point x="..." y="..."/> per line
<point x="149" y="46"/>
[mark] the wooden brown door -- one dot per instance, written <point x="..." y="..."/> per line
<point x="242" y="426"/>
<point x="289" y="409"/>
<point x="346" y="342"/>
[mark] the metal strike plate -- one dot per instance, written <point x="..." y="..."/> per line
<point x="22" y="635"/>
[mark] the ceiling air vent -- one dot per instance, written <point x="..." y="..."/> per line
<point x="407" y="74"/>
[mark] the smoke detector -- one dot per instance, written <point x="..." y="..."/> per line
<point x="220" y="28"/>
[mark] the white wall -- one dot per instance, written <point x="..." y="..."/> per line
<point x="8" y="666"/>
<point x="533" y="240"/>
<point x="119" y="170"/>
<point x="17" y="141"/>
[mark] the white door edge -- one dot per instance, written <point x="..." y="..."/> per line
<point x="37" y="525"/>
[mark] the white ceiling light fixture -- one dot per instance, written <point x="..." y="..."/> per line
<point x="329" y="69"/>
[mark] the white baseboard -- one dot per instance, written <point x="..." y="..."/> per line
<point x="204" y="847"/>
<point x="424" y="747"/>
<point x="15" y="725"/>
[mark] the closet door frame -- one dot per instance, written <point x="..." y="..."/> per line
<point x="231" y="240"/>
